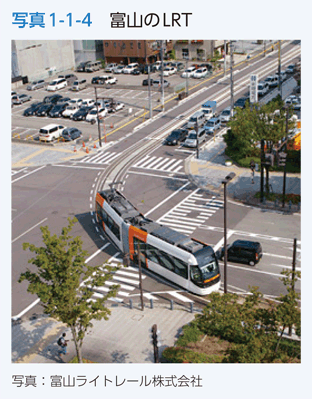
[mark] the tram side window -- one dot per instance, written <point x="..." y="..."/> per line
<point x="180" y="267"/>
<point x="114" y="228"/>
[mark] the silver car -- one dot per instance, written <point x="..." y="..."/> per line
<point x="38" y="84"/>
<point x="20" y="98"/>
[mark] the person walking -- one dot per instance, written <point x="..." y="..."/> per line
<point x="62" y="342"/>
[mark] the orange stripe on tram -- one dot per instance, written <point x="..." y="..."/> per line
<point x="137" y="233"/>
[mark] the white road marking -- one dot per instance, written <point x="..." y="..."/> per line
<point x="15" y="239"/>
<point x="27" y="174"/>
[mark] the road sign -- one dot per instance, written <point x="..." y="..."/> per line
<point x="253" y="88"/>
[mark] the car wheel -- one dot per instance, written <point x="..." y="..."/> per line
<point x="92" y="121"/>
<point x="251" y="263"/>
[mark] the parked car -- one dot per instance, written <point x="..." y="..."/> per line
<point x="57" y="84"/>
<point x="70" y="78"/>
<point x="79" y="85"/>
<point x="242" y="251"/>
<point x="176" y="137"/>
<point x="168" y="71"/>
<point x="37" y="84"/>
<point x="145" y="82"/>
<point x="241" y="102"/>
<point x="20" y="98"/>
<point x="32" y="109"/>
<point x="57" y="110"/>
<point x="92" y="115"/>
<point x="71" y="133"/>
<point x="200" y="73"/>
<point x="13" y="93"/>
<point x="136" y="71"/>
<point x="87" y="102"/>
<point x="70" y="110"/>
<point x="157" y="82"/>
<point x="64" y="100"/>
<point x="191" y="140"/>
<point x="157" y="65"/>
<point x="189" y="72"/>
<point x="118" y="69"/>
<point x="129" y="68"/>
<point x="81" y="66"/>
<point x="225" y="115"/>
<point x="212" y="125"/>
<point x="115" y="107"/>
<point x="75" y="101"/>
<point x="283" y="76"/>
<point x="178" y="65"/>
<point x="50" y="132"/>
<point x="110" y="67"/>
<point x="111" y="80"/>
<point x="290" y="69"/>
<point x="81" y="113"/>
<point x="263" y="88"/>
<point x="52" y="99"/>
<point x="272" y="81"/>
<point x="44" y="109"/>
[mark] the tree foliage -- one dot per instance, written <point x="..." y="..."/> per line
<point x="64" y="282"/>
<point x="254" y="123"/>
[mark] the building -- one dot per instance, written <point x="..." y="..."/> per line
<point x="197" y="50"/>
<point x="35" y="59"/>
<point x="88" y="50"/>
<point x="128" y="51"/>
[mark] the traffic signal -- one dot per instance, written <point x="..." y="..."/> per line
<point x="269" y="159"/>
<point x="282" y="159"/>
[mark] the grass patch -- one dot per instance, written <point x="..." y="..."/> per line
<point x="75" y="360"/>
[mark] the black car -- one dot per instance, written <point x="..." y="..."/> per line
<point x="241" y="102"/>
<point x="57" y="110"/>
<point x="52" y="99"/>
<point x="71" y="133"/>
<point x="95" y="80"/>
<point x="242" y="251"/>
<point x="145" y="82"/>
<point x="64" y="100"/>
<point x="81" y="114"/>
<point x="32" y="109"/>
<point x="44" y="109"/>
<point x="176" y="136"/>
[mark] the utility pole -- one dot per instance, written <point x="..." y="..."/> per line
<point x="155" y="343"/>
<point x="224" y="58"/>
<point x="140" y="276"/>
<point x="97" y="113"/>
<point x="261" y="171"/>
<point x="149" y="92"/>
<point x="197" y="148"/>
<point x="162" y="75"/>
<point x="279" y="68"/>
<point x="187" y="85"/>
<point x="231" y="77"/>
<point x="263" y="48"/>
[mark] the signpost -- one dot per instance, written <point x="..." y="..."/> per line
<point x="253" y="89"/>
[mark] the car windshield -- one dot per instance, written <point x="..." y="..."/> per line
<point x="71" y="107"/>
<point x="192" y="136"/>
<point x="189" y="70"/>
<point x="57" y="107"/>
<point x="209" y="270"/>
<point x="226" y="112"/>
<point x="53" y="83"/>
<point x="76" y="83"/>
<point x="175" y="133"/>
<point x="93" y="112"/>
<point x="210" y="124"/>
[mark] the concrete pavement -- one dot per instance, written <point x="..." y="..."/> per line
<point x="124" y="338"/>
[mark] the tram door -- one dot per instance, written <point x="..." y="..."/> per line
<point x="139" y="247"/>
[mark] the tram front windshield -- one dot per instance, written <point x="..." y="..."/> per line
<point x="207" y="263"/>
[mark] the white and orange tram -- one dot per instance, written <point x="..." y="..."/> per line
<point x="185" y="261"/>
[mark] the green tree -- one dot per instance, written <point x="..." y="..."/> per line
<point x="64" y="282"/>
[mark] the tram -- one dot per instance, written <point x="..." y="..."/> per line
<point x="185" y="261"/>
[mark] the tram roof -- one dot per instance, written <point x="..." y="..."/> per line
<point x="131" y="215"/>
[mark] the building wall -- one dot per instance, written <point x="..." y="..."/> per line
<point x="197" y="49"/>
<point x="88" y="50"/>
<point x="127" y="51"/>
<point x="34" y="58"/>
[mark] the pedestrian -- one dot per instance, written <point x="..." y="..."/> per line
<point x="62" y="342"/>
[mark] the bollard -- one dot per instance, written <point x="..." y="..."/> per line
<point x="191" y="307"/>
<point x="171" y="304"/>
<point x="131" y="304"/>
<point x="298" y="206"/>
<point x="152" y="305"/>
<point x="289" y="205"/>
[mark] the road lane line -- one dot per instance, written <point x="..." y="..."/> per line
<point x="29" y="230"/>
<point x="33" y="171"/>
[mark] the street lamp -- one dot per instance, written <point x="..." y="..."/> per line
<point x="228" y="178"/>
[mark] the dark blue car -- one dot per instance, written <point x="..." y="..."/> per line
<point x="32" y="109"/>
<point x="71" y="133"/>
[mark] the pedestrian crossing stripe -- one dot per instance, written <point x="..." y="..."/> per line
<point x="100" y="158"/>
<point x="162" y="164"/>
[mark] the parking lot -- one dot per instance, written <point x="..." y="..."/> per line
<point x="128" y="90"/>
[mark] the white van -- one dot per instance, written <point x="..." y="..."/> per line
<point x="131" y="67"/>
<point x="79" y="85"/>
<point x="50" y="132"/>
<point x="199" y="117"/>
<point x="57" y="84"/>
<point x="191" y="140"/>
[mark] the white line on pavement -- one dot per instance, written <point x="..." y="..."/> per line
<point x="29" y="230"/>
<point x="27" y="174"/>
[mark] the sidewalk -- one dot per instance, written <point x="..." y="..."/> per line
<point x="208" y="171"/>
<point x="124" y="338"/>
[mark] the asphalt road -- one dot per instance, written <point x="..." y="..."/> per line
<point x="158" y="186"/>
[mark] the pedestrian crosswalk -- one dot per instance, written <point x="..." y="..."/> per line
<point x="191" y="212"/>
<point x="101" y="157"/>
<point x="127" y="277"/>
<point x="164" y="164"/>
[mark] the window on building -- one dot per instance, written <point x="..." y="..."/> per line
<point x="115" y="44"/>
<point x="185" y="53"/>
<point x="131" y="45"/>
<point x="106" y="44"/>
<point x="139" y="45"/>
